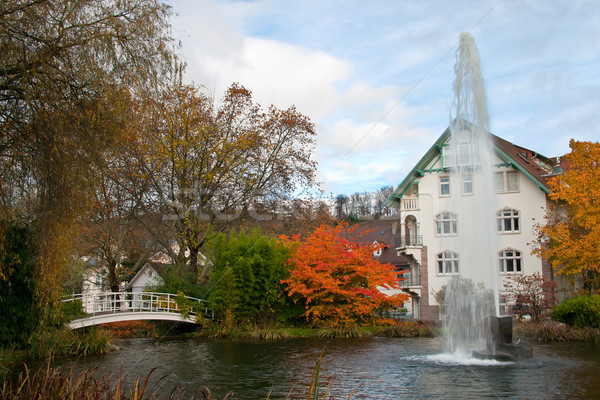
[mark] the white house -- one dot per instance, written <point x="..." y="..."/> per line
<point x="520" y="181"/>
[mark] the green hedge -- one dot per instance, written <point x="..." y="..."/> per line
<point x="579" y="312"/>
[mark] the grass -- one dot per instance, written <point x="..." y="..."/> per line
<point x="52" y="383"/>
<point x="551" y="331"/>
<point x="50" y="343"/>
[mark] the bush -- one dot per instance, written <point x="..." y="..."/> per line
<point x="17" y="306"/>
<point x="52" y="342"/>
<point x="403" y="329"/>
<point x="579" y="312"/>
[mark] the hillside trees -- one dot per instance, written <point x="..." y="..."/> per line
<point x="206" y="164"/>
<point x="337" y="280"/>
<point x="67" y="71"/>
<point x="571" y="237"/>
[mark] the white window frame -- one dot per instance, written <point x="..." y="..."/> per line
<point x="379" y="252"/>
<point x="446" y="219"/>
<point x="443" y="184"/>
<point x="510" y="216"/>
<point x="505" y="181"/>
<point x="467" y="180"/>
<point x="512" y="257"/>
<point x="447" y="263"/>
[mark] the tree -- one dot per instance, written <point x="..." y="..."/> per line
<point x="571" y="237"/>
<point x="67" y="70"/>
<point x="337" y="280"/>
<point x="17" y="306"/>
<point x="207" y="165"/>
<point x="531" y="294"/>
<point x="111" y="230"/>
<point x="245" y="283"/>
<point x="341" y="206"/>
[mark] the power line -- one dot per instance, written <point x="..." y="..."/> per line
<point x="416" y="84"/>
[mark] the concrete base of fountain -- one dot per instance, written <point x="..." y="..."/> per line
<point x="499" y="344"/>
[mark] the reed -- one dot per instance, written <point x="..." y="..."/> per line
<point x="342" y="332"/>
<point x="51" y="383"/>
<point x="269" y="333"/>
<point x="50" y="343"/>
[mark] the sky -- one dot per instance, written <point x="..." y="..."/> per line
<point x="375" y="77"/>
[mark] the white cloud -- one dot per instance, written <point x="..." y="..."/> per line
<point x="375" y="76"/>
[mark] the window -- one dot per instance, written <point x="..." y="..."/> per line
<point x="510" y="261"/>
<point x="447" y="263"/>
<point x="467" y="186"/>
<point x="506" y="181"/>
<point x="378" y="250"/>
<point x="444" y="186"/>
<point x="508" y="220"/>
<point x="446" y="224"/>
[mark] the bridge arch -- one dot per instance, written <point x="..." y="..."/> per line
<point x="104" y="307"/>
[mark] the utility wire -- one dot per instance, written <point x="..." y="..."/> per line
<point x="413" y="87"/>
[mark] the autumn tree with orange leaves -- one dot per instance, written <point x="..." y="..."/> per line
<point x="338" y="280"/>
<point x="570" y="240"/>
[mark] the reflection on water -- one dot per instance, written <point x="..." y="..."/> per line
<point x="381" y="368"/>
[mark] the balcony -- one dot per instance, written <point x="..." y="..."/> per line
<point x="409" y="280"/>
<point x="409" y="204"/>
<point x="402" y="242"/>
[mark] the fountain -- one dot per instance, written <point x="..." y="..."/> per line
<point x="473" y="325"/>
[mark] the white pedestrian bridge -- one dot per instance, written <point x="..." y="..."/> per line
<point x="104" y="307"/>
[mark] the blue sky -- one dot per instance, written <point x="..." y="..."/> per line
<point x="376" y="76"/>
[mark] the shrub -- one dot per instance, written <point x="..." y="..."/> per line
<point x="52" y="342"/>
<point x="72" y="310"/>
<point x="18" y="309"/>
<point x="579" y="312"/>
<point x="403" y="329"/>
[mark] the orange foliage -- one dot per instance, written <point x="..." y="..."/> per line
<point x="338" y="280"/>
<point x="127" y="329"/>
<point x="571" y="237"/>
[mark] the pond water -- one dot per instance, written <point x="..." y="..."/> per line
<point x="377" y="368"/>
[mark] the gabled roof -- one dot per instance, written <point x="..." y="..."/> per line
<point x="535" y="166"/>
<point x="159" y="268"/>
<point x="383" y="232"/>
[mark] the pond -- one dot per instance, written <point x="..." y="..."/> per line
<point x="377" y="368"/>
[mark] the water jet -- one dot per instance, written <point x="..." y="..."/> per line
<point x="472" y="322"/>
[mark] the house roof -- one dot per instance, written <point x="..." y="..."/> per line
<point x="158" y="267"/>
<point x="536" y="167"/>
<point x="382" y="232"/>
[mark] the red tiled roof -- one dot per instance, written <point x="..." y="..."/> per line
<point x="538" y="167"/>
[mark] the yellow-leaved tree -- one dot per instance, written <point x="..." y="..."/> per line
<point x="207" y="165"/>
<point x="570" y="240"/>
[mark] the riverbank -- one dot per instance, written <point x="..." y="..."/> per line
<point x="549" y="331"/>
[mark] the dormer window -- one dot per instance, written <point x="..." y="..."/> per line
<point x="379" y="251"/>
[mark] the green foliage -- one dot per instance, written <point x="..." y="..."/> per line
<point x="345" y="331"/>
<point x="17" y="286"/>
<point x="246" y="277"/>
<point x="269" y="333"/>
<point x="185" y="305"/>
<point x="177" y="279"/>
<point x="51" y="342"/>
<point x="72" y="310"/>
<point x="579" y="312"/>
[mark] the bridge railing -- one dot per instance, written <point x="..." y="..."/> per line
<point x="102" y="303"/>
